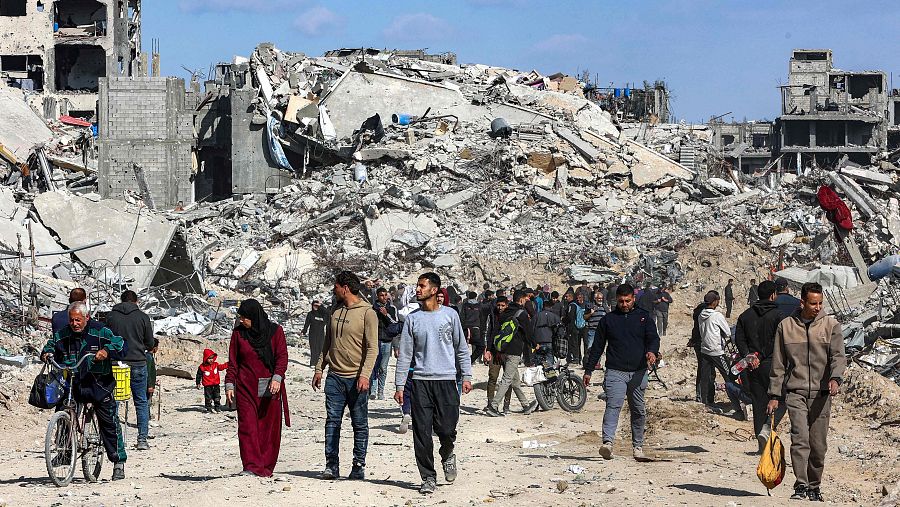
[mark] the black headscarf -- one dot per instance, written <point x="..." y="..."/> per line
<point x="260" y="333"/>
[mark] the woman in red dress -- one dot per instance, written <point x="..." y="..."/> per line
<point x="257" y="361"/>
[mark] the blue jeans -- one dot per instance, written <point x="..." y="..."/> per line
<point x="141" y="405"/>
<point x="618" y="385"/>
<point x="340" y="393"/>
<point x="379" y="376"/>
<point x="589" y="340"/>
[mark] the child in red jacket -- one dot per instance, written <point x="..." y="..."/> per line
<point x="208" y="377"/>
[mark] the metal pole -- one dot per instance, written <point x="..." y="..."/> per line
<point x="21" y="299"/>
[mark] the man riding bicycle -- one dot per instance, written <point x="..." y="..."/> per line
<point x="94" y="381"/>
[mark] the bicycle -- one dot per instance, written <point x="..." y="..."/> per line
<point x="562" y="386"/>
<point x="73" y="432"/>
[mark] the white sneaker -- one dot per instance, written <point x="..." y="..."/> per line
<point x="638" y="453"/>
<point x="606" y="450"/>
<point x="404" y="423"/>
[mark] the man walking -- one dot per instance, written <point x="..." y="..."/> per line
<point x="631" y="342"/>
<point x="808" y="362"/>
<point x="350" y="351"/>
<point x="787" y="304"/>
<point x="715" y="331"/>
<point x="753" y="294"/>
<point x="661" y="309"/>
<point x="729" y="298"/>
<point x="695" y="343"/>
<point x="314" y="330"/>
<point x="577" y="327"/>
<point x="432" y="341"/>
<point x="136" y="329"/>
<point x="470" y="316"/>
<point x="510" y="343"/>
<point x="492" y="357"/>
<point x="755" y="339"/>
<point x="60" y="319"/>
<point x="596" y="312"/>
<point x="387" y="317"/>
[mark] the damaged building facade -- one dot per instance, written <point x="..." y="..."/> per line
<point x="61" y="49"/>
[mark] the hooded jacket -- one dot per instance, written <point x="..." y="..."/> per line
<point x="806" y="356"/>
<point x="351" y="343"/>
<point x="134" y="326"/>
<point x="545" y="326"/>
<point x="714" y="330"/>
<point x="755" y="330"/>
<point x="208" y="373"/>
<point x="470" y="313"/>
<point x="695" y="331"/>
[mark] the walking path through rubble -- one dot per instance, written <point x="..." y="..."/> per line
<point x="548" y="459"/>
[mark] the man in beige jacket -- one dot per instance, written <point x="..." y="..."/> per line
<point x="807" y="364"/>
<point x="350" y="351"/>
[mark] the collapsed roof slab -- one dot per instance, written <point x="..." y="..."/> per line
<point x="21" y="129"/>
<point x="357" y="96"/>
<point x="148" y="247"/>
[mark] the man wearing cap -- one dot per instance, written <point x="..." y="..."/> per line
<point x="314" y="329"/>
<point x="787" y="304"/>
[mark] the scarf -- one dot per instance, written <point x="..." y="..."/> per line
<point x="260" y="333"/>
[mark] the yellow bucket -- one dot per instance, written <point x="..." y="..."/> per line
<point x="123" y="382"/>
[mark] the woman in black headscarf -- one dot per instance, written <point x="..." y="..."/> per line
<point x="257" y="361"/>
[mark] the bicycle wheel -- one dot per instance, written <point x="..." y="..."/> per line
<point x="572" y="395"/>
<point x="59" y="449"/>
<point x="91" y="447"/>
<point x="543" y="393"/>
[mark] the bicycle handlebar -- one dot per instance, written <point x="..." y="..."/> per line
<point x="77" y="363"/>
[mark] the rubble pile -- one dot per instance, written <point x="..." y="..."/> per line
<point x="401" y="164"/>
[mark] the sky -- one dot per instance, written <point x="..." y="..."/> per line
<point x="716" y="56"/>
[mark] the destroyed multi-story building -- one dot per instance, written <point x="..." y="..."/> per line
<point x="61" y="48"/>
<point x="648" y="103"/>
<point x="827" y="113"/>
<point x="747" y="146"/>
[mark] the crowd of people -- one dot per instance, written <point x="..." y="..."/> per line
<point x="783" y="355"/>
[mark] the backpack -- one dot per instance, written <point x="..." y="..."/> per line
<point x="771" y="468"/>
<point x="508" y="331"/>
<point x="560" y="342"/>
<point x="579" y="316"/>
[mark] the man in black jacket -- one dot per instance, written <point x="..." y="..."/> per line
<point x="516" y="326"/>
<point x="629" y="337"/>
<point x="491" y="356"/>
<point x="729" y="298"/>
<point x="755" y="336"/>
<point x="694" y="343"/>
<point x="134" y="326"/>
<point x="576" y="324"/>
<point x="314" y="330"/>
<point x="470" y="318"/>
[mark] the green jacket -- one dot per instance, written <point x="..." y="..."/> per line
<point x="94" y="379"/>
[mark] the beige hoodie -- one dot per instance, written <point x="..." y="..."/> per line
<point x="351" y="344"/>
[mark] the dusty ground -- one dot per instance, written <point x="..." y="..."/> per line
<point x="700" y="459"/>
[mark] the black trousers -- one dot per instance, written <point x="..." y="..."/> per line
<point x="759" y="393"/>
<point x="729" y="304"/>
<point x="110" y="430"/>
<point x="704" y="378"/>
<point x="476" y="342"/>
<point x="576" y="338"/>
<point x="435" y="407"/>
<point x="212" y="396"/>
<point x="708" y="367"/>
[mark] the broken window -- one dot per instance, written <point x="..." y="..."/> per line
<point x="84" y="18"/>
<point x="810" y="55"/>
<point x="13" y="8"/>
<point x="859" y="133"/>
<point x="796" y="133"/>
<point x="831" y="133"/>
<point x="727" y="139"/>
<point x="23" y="71"/>
<point x="760" y="140"/>
<point x="79" y="67"/>
<point x="859" y="85"/>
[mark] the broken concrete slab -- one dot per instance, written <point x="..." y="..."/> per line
<point x="381" y="230"/>
<point x="866" y="176"/>
<point x="286" y="263"/>
<point x="583" y="147"/>
<point x="370" y="154"/>
<point x="142" y="246"/>
<point x="21" y="129"/>
<point x="653" y="167"/>
<point x="550" y="197"/>
<point x="453" y="200"/>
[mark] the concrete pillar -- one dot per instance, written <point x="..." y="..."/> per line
<point x="812" y="134"/>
